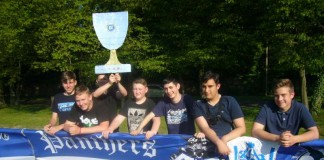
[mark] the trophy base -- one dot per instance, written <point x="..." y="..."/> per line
<point x="113" y="68"/>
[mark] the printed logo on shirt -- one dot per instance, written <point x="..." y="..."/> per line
<point x="135" y="117"/>
<point x="65" y="106"/>
<point x="87" y="122"/>
<point x="177" y="116"/>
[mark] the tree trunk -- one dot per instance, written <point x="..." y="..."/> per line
<point x="303" y="87"/>
<point x="15" y="91"/>
<point x="2" y="99"/>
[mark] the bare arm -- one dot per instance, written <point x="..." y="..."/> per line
<point x="238" y="131"/>
<point x="67" y="125"/>
<point x="287" y="139"/>
<point x="121" y="88"/>
<point x="54" y="119"/>
<point x="259" y="132"/>
<point x="52" y="130"/>
<point x="95" y="129"/>
<point x="49" y="127"/>
<point x="101" y="90"/>
<point x="116" y="122"/>
<point x="212" y="136"/>
<point x="155" y="128"/>
<point x="73" y="129"/>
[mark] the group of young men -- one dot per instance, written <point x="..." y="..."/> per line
<point x="218" y="117"/>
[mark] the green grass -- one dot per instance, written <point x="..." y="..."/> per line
<point x="36" y="116"/>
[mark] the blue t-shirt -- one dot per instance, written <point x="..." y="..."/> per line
<point x="177" y="115"/>
<point x="277" y="122"/>
<point x="62" y="105"/>
<point x="220" y="116"/>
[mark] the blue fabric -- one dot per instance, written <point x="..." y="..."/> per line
<point x="35" y="144"/>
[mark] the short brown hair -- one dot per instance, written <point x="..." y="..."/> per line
<point x="283" y="83"/>
<point x="140" y="81"/>
<point x="82" y="89"/>
<point x="67" y="76"/>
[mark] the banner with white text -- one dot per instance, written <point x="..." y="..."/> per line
<point x="26" y="144"/>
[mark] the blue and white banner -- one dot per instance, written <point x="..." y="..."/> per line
<point x="25" y="144"/>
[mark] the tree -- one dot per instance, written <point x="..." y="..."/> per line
<point x="318" y="96"/>
<point x="17" y="53"/>
<point x="298" y="36"/>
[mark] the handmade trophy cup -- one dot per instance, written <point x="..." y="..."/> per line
<point x="111" y="29"/>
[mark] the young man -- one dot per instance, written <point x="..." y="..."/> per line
<point x="281" y="119"/>
<point x="109" y="93"/>
<point x="219" y="117"/>
<point x="62" y="103"/>
<point x="175" y="107"/>
<point x="134" y="109"/>
<point x="86" y="117"/>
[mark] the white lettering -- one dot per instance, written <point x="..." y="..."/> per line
<point x="149" y="147"/>
<point x="113" y="147"/>
<point x="55" y="143"/>
<point x="121" y="143"/>
<point x="4" y="136"/>
<point x="133" y="146"/>
<point x="69" y="140"/>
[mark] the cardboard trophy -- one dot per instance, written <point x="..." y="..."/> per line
<point x="111" y="30"/>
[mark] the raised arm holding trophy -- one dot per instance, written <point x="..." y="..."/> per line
<point x="111" y="30"/>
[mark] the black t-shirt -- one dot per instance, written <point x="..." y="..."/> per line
<point x="135" y="113"/>
<point x="89" y="118"/>
<point x="62" y="105"/>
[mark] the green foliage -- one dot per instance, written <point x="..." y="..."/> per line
<point x="165" y="38"/>
<point x="298" y="34"/>
<point x="318" y="96"/>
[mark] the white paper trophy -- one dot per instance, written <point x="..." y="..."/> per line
<point x="111" y="29"/>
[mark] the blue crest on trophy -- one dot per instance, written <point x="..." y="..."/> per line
<point x="111" y="30"/>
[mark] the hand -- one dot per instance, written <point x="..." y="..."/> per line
<point x="199" y="135"/>
<point x="74" y="129"/>
<point x="53" y="130"/>
<point x="112" y="78"/>
<point x="223" y="148"/>
<point x="106" y="133"/>
<point x="149" y="134"/>
<point x="118" y="77"/>
<point x="47" y="128"/>
<point x="135" y="132"/>
<point x="287" y="139"/>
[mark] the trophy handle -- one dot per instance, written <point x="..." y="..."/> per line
<point x="113" y="59"/>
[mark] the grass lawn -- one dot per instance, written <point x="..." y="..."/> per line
<point x="37" y="115"/>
